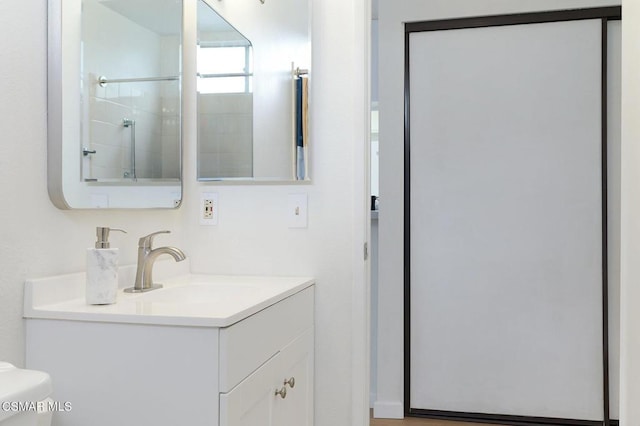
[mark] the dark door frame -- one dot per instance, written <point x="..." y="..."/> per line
<point x="605" y="14"/>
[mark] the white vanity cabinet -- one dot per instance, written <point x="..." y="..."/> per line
<point x="119" y="372"/>
<point x="280" y="391"/>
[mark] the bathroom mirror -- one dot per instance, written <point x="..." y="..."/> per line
<point x="114" y="113"/>
<point x="252" y="63"/>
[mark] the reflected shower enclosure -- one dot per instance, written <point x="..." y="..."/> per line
<point x="131" y="97"/>
<point x="225" y="98"/>
<point x="248" y="54"/>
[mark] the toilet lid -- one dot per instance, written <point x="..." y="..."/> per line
<point x="18" y="385"/>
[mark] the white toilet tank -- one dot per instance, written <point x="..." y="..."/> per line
<point x="24" y="397"/>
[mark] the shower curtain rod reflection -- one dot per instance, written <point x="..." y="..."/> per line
<point x="103" y="81"/>
<point x="230" y="74"/>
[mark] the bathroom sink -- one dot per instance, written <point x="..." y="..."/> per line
<point x="201" y="293"/>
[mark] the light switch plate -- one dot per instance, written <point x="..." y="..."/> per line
<point x="297" y="211"/>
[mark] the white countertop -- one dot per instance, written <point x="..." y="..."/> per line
<point x="186" y="300"/>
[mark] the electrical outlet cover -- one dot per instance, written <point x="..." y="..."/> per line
<point x="208" y="209"/>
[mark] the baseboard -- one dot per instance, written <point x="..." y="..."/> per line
<point x="388" y="410"/>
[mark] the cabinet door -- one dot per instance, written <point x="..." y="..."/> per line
<point x="296" y="362"/>
<point x="268" y="397"/>
<point x="251" y="402"/>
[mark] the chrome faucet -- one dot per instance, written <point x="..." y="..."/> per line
<point x="146" y="258"/>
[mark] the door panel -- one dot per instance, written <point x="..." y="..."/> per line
<point x="506" y="223"/>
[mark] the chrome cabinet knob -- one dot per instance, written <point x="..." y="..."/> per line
<point x="291" y="382"/>
<point x="282" y="392"/>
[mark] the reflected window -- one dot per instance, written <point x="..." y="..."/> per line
<point x="224" y="69"/>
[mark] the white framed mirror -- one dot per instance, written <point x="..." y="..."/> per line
<point x="115" y="108"/>
<point x="253" y="104"/>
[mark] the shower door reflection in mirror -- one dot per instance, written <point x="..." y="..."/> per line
<point x="130" y="67"/>
<point x="225" y="98"/>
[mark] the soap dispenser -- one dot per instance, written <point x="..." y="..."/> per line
<point x="102" y="270"/>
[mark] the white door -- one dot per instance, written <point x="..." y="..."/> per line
<point x="506" y="220"/>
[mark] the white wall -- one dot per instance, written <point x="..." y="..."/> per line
<point x="392" y="15"/>
<point x="252" y="237"/>
<point x="630" y="225"/>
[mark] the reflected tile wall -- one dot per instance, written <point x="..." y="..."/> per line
<point x="225" y="135"/>
<point x="144" y="103"/>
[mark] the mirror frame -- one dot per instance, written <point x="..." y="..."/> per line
<point x="64" y="184"/>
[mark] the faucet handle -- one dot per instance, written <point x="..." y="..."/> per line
<point x="147" y="241"/>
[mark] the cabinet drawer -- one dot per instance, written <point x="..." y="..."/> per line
<point x="248" y="344"/>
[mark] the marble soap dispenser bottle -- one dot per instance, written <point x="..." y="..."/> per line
<point x="102" y="270"/>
